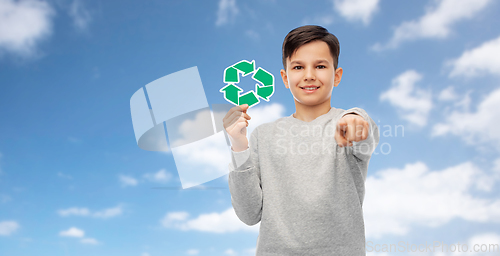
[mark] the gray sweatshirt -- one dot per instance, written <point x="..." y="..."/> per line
<point x="306" y="191"/>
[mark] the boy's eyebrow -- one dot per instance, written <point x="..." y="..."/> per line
<point x="317" y="61"/>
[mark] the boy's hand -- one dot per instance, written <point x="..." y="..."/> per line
<point x="351" y="127"/>
<point x="235" y="122"/>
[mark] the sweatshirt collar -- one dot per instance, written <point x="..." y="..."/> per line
<point x="296" y="120"/>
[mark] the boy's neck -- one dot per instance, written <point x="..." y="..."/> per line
<point x="309" y="113"/>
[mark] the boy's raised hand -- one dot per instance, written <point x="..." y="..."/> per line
<point x="351" y="127"/>
<point x="235" y="122"/>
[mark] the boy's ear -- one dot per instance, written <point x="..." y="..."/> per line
<point x="338" y="76"/>
<point x="284" y="77"/>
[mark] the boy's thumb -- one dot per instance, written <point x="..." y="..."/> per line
<point x="244" y="106"/>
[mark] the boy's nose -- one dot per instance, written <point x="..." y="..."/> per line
<point x="310" y="75"/>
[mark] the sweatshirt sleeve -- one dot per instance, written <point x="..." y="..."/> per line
<point x="364" y="149"/>
<point x="244" y="183"/>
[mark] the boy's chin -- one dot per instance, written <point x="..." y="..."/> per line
<point x="311" y="102"/>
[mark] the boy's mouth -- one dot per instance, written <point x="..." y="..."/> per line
<point x="309" y="88"/>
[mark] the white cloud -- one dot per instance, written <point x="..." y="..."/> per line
<point x="413" y="104"/>
<point x="448" y="94"/>
<point x="475" y="128"/>
<point x="106" y="213"/>
<point x="127" y="181"/>
<point x="377" y="254"/>
<point x="478" y="61"/>
<point x="399" y="199"/>
<point x="486" y="238"/>
<point x="230" y="252"/>
<point x="174" y="216"/>
<point x="249" y="252"/>
<point x="89" y="241"/>
<point x="496" y="166"/>
<point x="488" y="242"/>
<point x="224" y="222"/>
<point x="464" y="103"/>
<point x="78" y="233"/>
<point x="227" y="12"/>
<point x="357" y="10"/>
<point x="478" y="245"/>
<point x="162" y="176"/>
<point x="8" y="227"/>
<point x="74" y="211"/>
<point x="80" y="15"/>
<point x="192" y="252"/>
<point x="188" y="130"/>
<point x="23" y="24"/>
<point x="72" y="232"/>
<point x="437" y="21"/>
<point x="454" y="100"/>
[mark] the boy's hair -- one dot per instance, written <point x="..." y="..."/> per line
<point x="306" y="34"/>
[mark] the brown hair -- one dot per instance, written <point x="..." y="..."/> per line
<point x="306" y="34"/>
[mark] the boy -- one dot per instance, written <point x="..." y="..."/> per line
<point x="303" y="175"/>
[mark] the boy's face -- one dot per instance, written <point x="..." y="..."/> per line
<point x="311" y="65"/>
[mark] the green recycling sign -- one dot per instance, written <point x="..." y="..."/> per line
<point x="232" y="77"/>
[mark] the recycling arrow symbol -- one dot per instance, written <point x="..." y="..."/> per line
<point x="232" y="77"/>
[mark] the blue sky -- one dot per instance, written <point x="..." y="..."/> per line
<point x="74" y="182"/>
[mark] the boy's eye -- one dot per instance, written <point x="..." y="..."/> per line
<point x="321" y="66"/>
<point x="297" y="67"/>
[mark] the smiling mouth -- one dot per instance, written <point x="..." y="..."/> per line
<point x="309" y="87"/>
